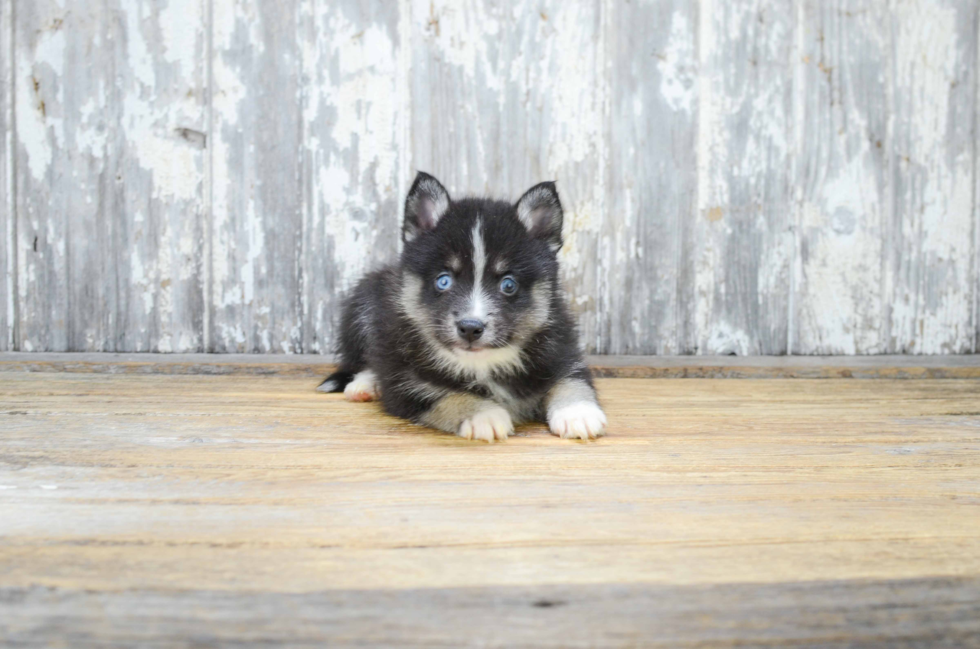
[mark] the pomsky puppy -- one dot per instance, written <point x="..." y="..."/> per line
<point x="469" y="332"/>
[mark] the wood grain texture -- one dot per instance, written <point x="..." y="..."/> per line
<point x="52" y="174"/>
<point x="934" y="100"/>
<point x="749" y="177"/>
<point x="110" y="121"/>
<point x="244" y="509"/>
<point x="843" y="188"/>
<point x="647" y="262"/>
<point x="257" y="213"/>
<point x="745" y="129"/>
<point x="155" y="210"/>
<point x="928" y="612"/>
<point x="354" y="85"/>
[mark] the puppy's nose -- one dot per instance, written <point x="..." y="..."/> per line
<point x="469" y="329"/>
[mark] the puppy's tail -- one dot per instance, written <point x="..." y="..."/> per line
<point x="336" y="382"/>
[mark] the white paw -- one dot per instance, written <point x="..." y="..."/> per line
<point x="364" y="387"/>
<point x="488" y="425"/>
<point x="582" y="420"/>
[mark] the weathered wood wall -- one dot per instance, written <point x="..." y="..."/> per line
<point x="748" y="176"/>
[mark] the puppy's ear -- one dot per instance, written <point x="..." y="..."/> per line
<point x="426" y="203"/>
<point x="540" y="211"/>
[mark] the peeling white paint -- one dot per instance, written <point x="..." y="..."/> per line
<point x="677" y="66"/>
<point x="936" y="194"/>
<point x="792" y="204"/>
<point x="575" y="125"/>
<point x="180" y="26"/>
<point x="362" y="96"/>
<point x="839" y="314"/>
<point x="138" y="55"/>
<point x="743" y="224"/>
<point x="35" y="76"/>
<point x="460" y="32"/>
<point x="173" y="163"/>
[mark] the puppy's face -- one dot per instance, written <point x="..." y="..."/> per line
<point x="479" y="275"/>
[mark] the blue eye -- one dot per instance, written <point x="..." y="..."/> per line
<point x="444" y="281"/>
<point x="508" y="285"/>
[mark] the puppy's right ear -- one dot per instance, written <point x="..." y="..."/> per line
<point x="426" y="203"/>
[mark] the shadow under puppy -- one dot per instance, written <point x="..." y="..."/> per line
<point x="469" y="332"/>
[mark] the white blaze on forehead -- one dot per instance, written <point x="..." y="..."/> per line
<point x="478" y="300"/>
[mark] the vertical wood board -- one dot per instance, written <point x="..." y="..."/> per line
<point x="646" y="264"/>
<point x="110" y="108"/>
<point x="155" y="203"/>
<point x="930" y="250"/>
<point x="57" y="182"/>
<point x="257" y="128"/>
<point x="353" y="115"/>
<point x="743" y="226"/>
<point x="842" y="182"/>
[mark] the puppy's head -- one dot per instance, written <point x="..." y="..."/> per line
<point x="479" y="275"/>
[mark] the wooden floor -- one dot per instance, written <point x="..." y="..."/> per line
<point x="198" y="511"/>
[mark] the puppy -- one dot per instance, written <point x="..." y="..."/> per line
<point x="469" y="332"/>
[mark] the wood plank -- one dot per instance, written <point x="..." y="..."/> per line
<point x="165" y="510"/>
<point x="843" y="180"/>
<point x="930" y="244"/>
<point x="894" y="613"/>
<point x="58" y="182"/>
<point x="110" y="120"/>
<point x="354" y="89"/>
<point x="151" y="240"/>
<point x="745" y="131"/>
<point x="637" y="367"/>
<point x="257" y="128"/>
<point x="8" y="223"/>
<point x="646" y="267"/>
<point x="498" y="105"/>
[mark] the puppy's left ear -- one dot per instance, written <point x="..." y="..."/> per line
<point x="540" y="211"/>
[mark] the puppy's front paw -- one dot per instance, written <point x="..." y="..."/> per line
<point x="490" y="424"/>
<point x="582" y="420"/>
<point x="363" y="387"/>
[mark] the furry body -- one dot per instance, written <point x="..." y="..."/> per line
<point x="487" y="265"/>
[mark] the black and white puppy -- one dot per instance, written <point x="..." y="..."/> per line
<point x="469" y="333"/>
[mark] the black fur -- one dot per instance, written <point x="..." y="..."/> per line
<point x="395" y="319"/>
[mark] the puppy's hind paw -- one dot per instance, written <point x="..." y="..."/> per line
<point x="582" y="420"/>
<point x="487" y="425"/>
<point x="364" y="387"/>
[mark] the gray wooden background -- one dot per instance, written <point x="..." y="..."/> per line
<point x="741" y="176"/>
